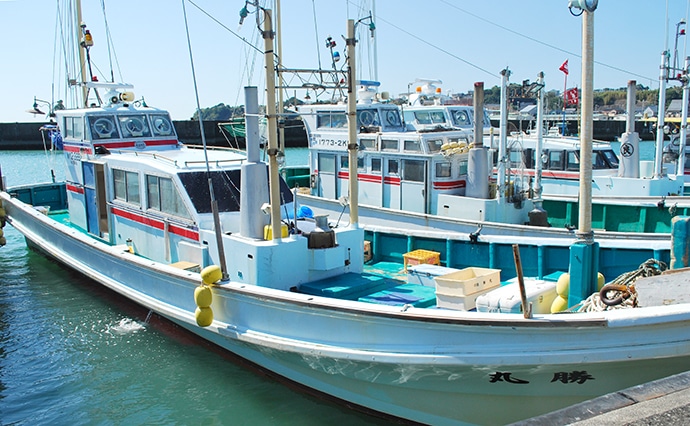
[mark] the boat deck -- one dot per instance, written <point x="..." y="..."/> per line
<point x="383" y="283"/>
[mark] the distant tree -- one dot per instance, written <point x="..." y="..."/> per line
<point x="220" y="112"/>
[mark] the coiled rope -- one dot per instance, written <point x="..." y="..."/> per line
<point x="620" y="293"/>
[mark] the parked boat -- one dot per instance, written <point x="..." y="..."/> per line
<point x="142" y="214"/>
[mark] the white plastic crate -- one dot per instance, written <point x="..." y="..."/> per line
<point x="425" y="274"/>
<point x="468" y="281"/>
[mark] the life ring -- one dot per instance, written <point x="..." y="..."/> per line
<point x="624" y="293"/>
<point x="103" y="127"/>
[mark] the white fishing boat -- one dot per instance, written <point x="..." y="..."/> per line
<point x="142" y="214"/>
<point x="628" y="195"/>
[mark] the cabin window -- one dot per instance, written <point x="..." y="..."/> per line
<point x="462" y="168"/>
<point x="429" y="117"/>
<point x="598" y="161"/>
<point x="134" y="126"/>
<point x="461" y="118"/>
<point x="74" y="127"/>
<point x="163" y="196"/>
<point x="326" y="163"/>
<point x="126" y="186"/>
<point x="368" y="117"/>
<point x="611" y="157"/>
<point x="413" y="170"/>
<point x="161" y="125"/>
<point x="376" y="165"/>
<point x="361" y="165"/>
<point x="393" y="118"/>
<point x="390" y="145"/>
<point x="331" y="119"/>
<point x="412" y="146"/>
<point x="556" y="160"/>
<point x="393" y="167"/>
<point x="574" y="161"/>
<point x="515" y="158"/>
<point x="443" y="169"/>
<point x="344" y="162"/>
<point x="103" y="127"/>
<point x="368" y="144"/>
<point x="434" y="146"/>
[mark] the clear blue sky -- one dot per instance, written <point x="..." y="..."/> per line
<point x="457" y="41"/>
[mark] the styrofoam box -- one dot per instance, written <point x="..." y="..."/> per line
<point x="468" y="281"/>
<point x="506" y="299"/>
<point x="459" y="303"/>
<point x="424" y="274"/>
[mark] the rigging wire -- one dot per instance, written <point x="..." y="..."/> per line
<point x="316" y="32"/>
<point x="448" y="3"/>
<point x="244" y="40"/>
<point x="111" y="52"/>
<point x="452" y="55"/>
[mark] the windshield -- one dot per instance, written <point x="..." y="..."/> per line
<point x="226" y="185"/>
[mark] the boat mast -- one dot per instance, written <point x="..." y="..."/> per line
<point x="680" y="171"/>
<point x="540" y="141"/>
<point x="82" y="56"/>
<point x="584" y="253"/>
<point x="660" y="116"/>
<point x="279" y="51"/>
<point x="585" y="213"/>
<point x="503" y="137"/>
<point x="352" y="122"/>
<point x="273" y="178"/>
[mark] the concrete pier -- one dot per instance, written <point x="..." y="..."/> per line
<point x="26" y="136"/>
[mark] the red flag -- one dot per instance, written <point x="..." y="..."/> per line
<point x="564" y="67"/>
<point x="571" y="96"/>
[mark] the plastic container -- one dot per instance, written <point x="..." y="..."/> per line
<point x="468" y="281"/>
<point x="425" y="274"/>
<point x="506" y="299"/>
<point x="418" y="257"/>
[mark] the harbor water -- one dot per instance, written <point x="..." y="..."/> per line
<point x="72" y="352"/>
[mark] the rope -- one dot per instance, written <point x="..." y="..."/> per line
<point x="649" y="268"/>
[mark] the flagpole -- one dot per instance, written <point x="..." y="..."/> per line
<point x="565" y="88"/>
<point x="564" y="68"/>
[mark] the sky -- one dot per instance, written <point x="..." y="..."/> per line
<point x="458" y="42"/>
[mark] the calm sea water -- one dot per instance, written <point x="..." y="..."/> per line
<point x="74" y="353"/>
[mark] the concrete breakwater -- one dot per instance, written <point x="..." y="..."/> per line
<point x="26" y="136"/>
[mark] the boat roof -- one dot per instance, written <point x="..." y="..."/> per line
<point x="178" y="159"/>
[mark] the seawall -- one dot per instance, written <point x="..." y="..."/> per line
<point x="26" y="136"/>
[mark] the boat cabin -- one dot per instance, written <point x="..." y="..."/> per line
<point x="131" y="182"/>
<point x="397" y="168"/>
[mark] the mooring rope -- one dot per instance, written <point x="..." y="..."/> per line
<point x="624" y="287"/>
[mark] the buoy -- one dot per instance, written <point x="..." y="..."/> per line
<point x="600" y="281"/>
<point x="204" y="316"/>
<point x="559" y="304"/>
<point x="211" y="274"/>
<point x="3" y="241"/>
<point x="203" y="296"/>
<point x="563" y="285"/>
